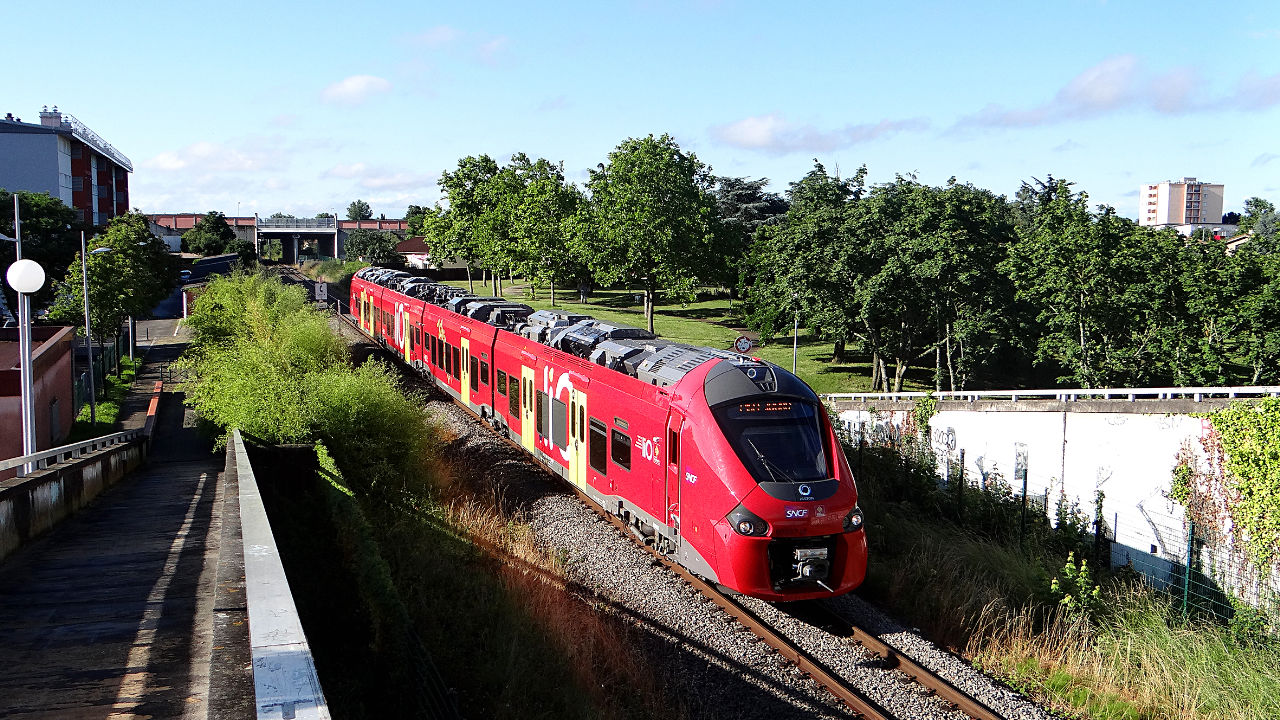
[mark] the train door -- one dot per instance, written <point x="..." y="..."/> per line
<point x="465" y="373"/>
<point x="578" y="438"/>
<point x="406" y="337"/>
<point x="365" y="323"/>
<point x="674" y="424"/>
<point x="526" y="407"/>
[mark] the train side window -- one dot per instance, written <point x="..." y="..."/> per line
<point x="620" y="449"/>
<point x="559" y="424"/>
<point x="501" y="385"/>
<point x="457" y="362"/>
<point x="673" y="447"/>
<point x="513" y="395"/>
<point x="598" y="447"/>
<point x="435" y="351"/>
<point x="484" y="372"/>
<point x="541" y="423"/>
<point x="475" y="374"/>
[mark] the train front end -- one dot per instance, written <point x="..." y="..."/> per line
<point x="784" y="505"/>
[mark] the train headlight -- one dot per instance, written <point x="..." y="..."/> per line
<point x="853" y="521"/>
<point x="745" y="522"/>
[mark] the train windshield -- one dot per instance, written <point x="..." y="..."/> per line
<point x="778" y="440"/>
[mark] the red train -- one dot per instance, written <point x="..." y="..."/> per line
<point x="726" y="463"/>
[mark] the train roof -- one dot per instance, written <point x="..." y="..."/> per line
<point x="629" y="350"/>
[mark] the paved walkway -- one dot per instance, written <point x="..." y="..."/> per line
<point x="111" y="614"/>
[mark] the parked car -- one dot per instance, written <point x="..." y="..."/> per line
<point x="185" y="275"/>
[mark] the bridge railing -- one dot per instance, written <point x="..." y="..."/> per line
<point x="1196" y="394"/>
<point x="41" y="460"/>
<point x="298" y="223"/>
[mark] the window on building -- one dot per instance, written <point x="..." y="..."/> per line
<point x="620" y="449"/>
<point x="598" y="447"/>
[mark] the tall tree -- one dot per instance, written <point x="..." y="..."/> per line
<point x="132" y="272"/>
<point x="657" y="218"/>
<point x="210" y="236"/>
<point x="743" y="206"/>
<point x="1100" y="288"/>
<point x="471" y="218"/>
<point x="359" y="210"/>
<point x="374" y="246"/>
<point x="50" y="235"/>
<point x="542" y="208"/>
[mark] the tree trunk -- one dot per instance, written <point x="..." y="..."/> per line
<point x="553" y="292"/>
<point x="875" y="371"/>
<point x="497" y="292"/>
<point x="837" y="354"/>
<point x="899" y="372"/>
<point x="951" y="371"/>
<point x="648" y="306"/>
<point x="471" y="285"/>
<point x="884" y="375"/>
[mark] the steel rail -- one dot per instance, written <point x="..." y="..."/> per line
<point x="834" y="622"/>
<point x="861" y="705"/>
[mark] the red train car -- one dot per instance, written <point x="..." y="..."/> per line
<point x="726" y="463"/>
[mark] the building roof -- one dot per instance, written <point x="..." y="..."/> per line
<point x="60" y="123"/>
<point x="413" y="246"/>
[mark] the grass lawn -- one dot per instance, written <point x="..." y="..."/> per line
<point x="709" y="322"/>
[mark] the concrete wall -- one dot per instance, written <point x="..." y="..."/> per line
<point x="32" y="505"/>
<point x="1072" y="450"/>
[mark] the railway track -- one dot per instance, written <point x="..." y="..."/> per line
<point x="816" y="613"/>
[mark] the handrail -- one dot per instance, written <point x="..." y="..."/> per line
<point x="73" y="450"/>
<point x="1074" y="394"/>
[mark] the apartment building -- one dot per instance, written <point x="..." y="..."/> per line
<point x="1185" y="203"/>
<point x="61" y="156"/>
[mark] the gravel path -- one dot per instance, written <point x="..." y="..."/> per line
<point x="698" y="652"/>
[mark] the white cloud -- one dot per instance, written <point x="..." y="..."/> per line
<point x="206" y="156"/>
<point x="370" y="177"/>
<point x="490" y="50"/>
<point x="774" y="134"/>
<point x="354" y="90"/>
<point x="1122" y="83"/>
<point x="438" y="36"/>
<point x="1263" y="159"/>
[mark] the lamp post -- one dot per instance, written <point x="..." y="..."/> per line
<point x="88" y="329"/>
<point x="26" y="277"/>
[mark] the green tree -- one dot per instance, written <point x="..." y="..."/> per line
<point x="359" y="210"/>
<point x="128" y="276"/>
<point x="50" y="236"/>
<point x="1101" y="287"/>
<point x="743" y="206"/>
<point x="795" y="261"/>
<point x="467" y="231"/>
<point x="210" y="236"/>
<point x="542" y="208"/>
<point x="281" y="216"/>
<point x="373" y="246"/>
<point x="657" y="219"/>
<point x="1255" y="208"/>
<point x="322" y="215"/>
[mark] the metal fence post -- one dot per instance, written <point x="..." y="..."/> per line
<point x="1186" y="574"/>
<point x="1020" y="468"/>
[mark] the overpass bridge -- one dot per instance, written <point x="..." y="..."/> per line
<point x="326" y="236"/>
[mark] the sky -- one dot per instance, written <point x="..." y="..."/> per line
<point x="262" y="107"/>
